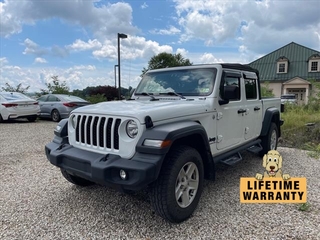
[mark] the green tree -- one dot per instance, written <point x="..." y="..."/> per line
<point x="266" y="91"/>
<point x="56" y="87"/>
<point x="18" y="88"/>
<point x="164" y="60"/>
<point x="96" y="98"/>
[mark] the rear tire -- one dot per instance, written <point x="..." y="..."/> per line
<point x="270" y="141"/>
<point x="76" y="180"/>
<point x="55" y="115"/>
<point x="1" y="119"/>
<point x="32" y="118"/>
<point x="176" y="193"/>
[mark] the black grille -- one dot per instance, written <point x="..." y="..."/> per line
<point x="98" y="131"/>
<point x="116" y="134"/>
<point x="109" y="125"/>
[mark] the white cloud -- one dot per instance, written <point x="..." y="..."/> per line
<point x="182" y="51"/>
<point x="3" y="61"/>
<point x="33" y="48"/>
<point x="82" y="67"/>
<point x="103" y="21"/>
<point x="171" y="31"/>
<point x="144" y="5"/>
<point x="261" y="26"/>
<point x="80" y="45"/>
<point x="40" y="60"/>
<point x="209" y="58"/>
<point x="131" y="48"/>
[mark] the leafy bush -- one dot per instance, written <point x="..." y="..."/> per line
<point x="96" y="98"/>
<point x="266" y="91"/>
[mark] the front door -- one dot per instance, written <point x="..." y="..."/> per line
<point x="230" y="128"/>
<point x="300" y="95"/>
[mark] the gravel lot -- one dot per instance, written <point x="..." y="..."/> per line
<point x="36" y="202"/>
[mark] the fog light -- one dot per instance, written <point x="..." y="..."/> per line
<point x="123" y="174"/>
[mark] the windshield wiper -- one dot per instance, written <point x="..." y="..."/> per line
<point x="173" y="94"/>
<point x="148" y="94"/>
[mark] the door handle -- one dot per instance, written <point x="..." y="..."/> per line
<point x="256" y="108"/>
<point x="241" y="110"/>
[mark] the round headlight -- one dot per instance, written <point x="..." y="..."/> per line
<point x="132" y="129"/>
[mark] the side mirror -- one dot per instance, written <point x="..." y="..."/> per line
<point x="229" y="93"/>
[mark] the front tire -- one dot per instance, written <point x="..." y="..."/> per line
<point x="270" y="141"/>
<point x="75" y="180"/>
<point x="176" y="193"/>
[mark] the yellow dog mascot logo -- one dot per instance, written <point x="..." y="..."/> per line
<point x="272" y="162"/>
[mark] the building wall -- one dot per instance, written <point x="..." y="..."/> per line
<point x="275" y="87"/>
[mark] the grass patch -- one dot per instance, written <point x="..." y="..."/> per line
<point x="304" y="207"/>
<point x="313" y="148"/>
<point x="295" y="131"/>
<point x="297" y="116"/>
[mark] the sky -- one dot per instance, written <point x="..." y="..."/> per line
<point x="76" y="40"/>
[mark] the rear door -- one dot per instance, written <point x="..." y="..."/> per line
<point x="253" y="105"/>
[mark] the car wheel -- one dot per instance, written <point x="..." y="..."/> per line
<point x="76" y="180"/>
<point x="55" y="115"/>
<point x="176" y="193"/>
<point x="32" y="118"/>
<point x="1" y="119"/>
<point x="270" y="141"/>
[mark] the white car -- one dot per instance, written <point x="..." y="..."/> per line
<point x="17" y="105"/>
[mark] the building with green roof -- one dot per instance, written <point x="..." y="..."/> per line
<point x="290" y="70"/>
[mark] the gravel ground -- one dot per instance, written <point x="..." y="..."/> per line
<point x="36" y="202"/>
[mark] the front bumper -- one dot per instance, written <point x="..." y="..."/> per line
<point x="141" y="170"/>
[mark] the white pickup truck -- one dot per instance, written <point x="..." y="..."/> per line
<point x="168" y="137"/>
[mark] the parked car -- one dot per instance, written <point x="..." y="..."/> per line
<point x="289" y="98"/>
<point x="17" y="105"/>
<point x="58" y="106"/>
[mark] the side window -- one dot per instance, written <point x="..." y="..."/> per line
<point x="251" y="88"/>
<point x="52" y="98"/>
<point x="233" y="84"/>
<point x="42" y="99"/>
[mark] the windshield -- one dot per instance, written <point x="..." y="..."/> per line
<point x="190" y="82"/>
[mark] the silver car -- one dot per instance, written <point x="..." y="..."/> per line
<point x="58" y="106"/>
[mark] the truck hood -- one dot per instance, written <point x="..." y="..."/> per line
<point x="157" y="110"/>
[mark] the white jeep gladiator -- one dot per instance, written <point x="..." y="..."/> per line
<point x="168" y="137"/>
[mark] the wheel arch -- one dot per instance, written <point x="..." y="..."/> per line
<point x="197" y="142"/>
<point x="186" y="133"/>
<point x="53" y="110"/>
<point x="271" y="115"/>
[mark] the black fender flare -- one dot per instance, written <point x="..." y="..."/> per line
<point x="271" y="115"/>
<point x="186" y="132"/>
<point x="61" y="132"/>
